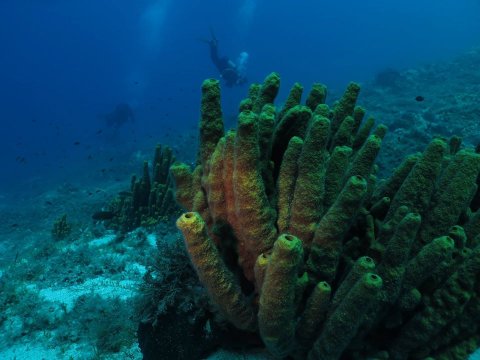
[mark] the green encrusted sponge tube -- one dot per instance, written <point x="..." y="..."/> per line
<point x="286" y="182"/>
<point x="416" y="191"/>
<point x="256" y="219"/>
<point x="277" y="308"/>
<point x="326" y="248"/>
<point x="211" y="122"/>
<point x="307" y="202"/>
<point x="446" y="305"/>
<point x="312" y="318"/>
<point x="267" y="92"/>
<point x="343" y="324"/>
<point x="183" y="176"/>
<point x="214" y="275"/>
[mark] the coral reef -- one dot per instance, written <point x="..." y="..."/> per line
<point x="450" y="92"/>
<point x="150" y="199"/>
<point x="296" y="240"/>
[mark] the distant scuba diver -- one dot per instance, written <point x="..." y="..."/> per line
<point x="232" y="73"/>
<point x="119" y="116"/>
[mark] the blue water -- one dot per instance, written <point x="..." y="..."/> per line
<point x="64" y="64"/>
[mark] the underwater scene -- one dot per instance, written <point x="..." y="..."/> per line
<point x="242" y="179"/>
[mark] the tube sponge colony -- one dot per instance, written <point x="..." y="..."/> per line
<point x="297" y="241"/>
<point x="151" y="198"/>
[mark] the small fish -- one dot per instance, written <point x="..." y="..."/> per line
<point x="99" y="132"/>
<point x="419" y="98"/>
<point x="103" y="215"/>
<point x="14" y="225"/>
<point x="76" y="143"/>
<point x="48" y="202"/>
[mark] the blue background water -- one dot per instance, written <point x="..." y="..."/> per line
<point x="65" y="63"/>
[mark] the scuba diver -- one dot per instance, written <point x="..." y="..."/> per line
<point x="119" y="116"/>
<point x="232" y="73"/>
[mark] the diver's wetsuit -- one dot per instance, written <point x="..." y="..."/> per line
<point x="225" y="66"/>
<point x="220" y="63"/>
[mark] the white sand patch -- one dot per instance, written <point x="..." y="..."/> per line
<point x="104" y="240"/>
<point x="475" y="355"/>
<point x="36" y="350"/>
<point x="106" y="288"/>
<point x="152" y="240"/>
